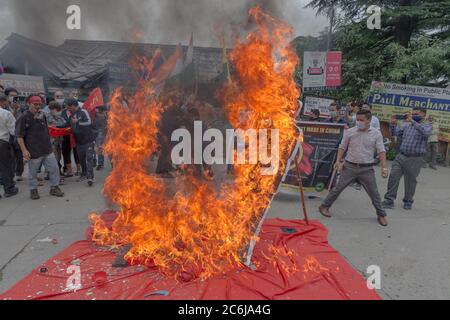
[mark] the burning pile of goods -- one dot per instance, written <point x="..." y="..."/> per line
<point x="200" y="231"/>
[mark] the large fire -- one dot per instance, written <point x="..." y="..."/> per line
<point x="198" y="231"/>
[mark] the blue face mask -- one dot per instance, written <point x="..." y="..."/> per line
<point x="361" y="125"/>
<point x="417" y="118"/>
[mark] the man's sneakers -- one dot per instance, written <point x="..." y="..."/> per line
<point x="34" y="195"/>
<point x="388" y="204"/>
<point x="325" y="211"/>
<point x="90" y="182"/>
<point x="56" y="192"/>
<point x="407" y="205"/>
<point x="11" y="193"/>
<point x="82" y="178"/>
<point x="382" y="221"/>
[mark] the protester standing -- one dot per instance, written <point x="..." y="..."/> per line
<point x="99" y="126"/>
<point x="335" y="114"/>
<point x="81" y="125"/>
<point x="14" y="107"/>
<point x="7" y="130"/>
<point x="360" y="143"/>
<point x="55" y="119"/>
<point x="433" y="143"/>
<point x="66" y="144"/>
<point x="34" y="141"/>
<point x="414" y="136"/>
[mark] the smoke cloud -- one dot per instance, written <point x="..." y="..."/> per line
<point x="160" y="21"/>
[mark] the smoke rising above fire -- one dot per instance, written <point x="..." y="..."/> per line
<point x="162" y="21"/>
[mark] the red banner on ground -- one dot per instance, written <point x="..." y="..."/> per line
<point x="292" y="261"/>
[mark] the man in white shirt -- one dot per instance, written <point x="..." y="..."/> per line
<point x="360" y="144"/>
<point x="7" y="164"/>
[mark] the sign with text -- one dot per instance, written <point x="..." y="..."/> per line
<point x="396" y="99"/>
<point x="322" y="70"/>
<point x="318" y="153"/>
<point x="26" y="85"/>
<point x="321" y="104"/>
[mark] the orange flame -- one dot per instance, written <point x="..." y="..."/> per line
<point x="198" y="232"/>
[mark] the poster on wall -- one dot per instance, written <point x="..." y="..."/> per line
<point x="322" y="70"/>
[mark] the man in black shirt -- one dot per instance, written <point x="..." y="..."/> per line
<point x="81" y="124"/>
<point x="34" y="141"/>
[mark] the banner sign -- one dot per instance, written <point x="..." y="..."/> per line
<point x="322" y="104"/>
<point x="26" y="85"/>
<point x="318" y="153"/>
<point x="322" y="70"/>
<point x="396" y="99"/>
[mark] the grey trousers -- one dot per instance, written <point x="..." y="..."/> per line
<point x="366" y="177"/>
<point x="431" y="157"/>
<point x="409" y="167"/>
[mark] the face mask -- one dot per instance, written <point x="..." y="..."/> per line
<point x="361" y="125"/>
<point x="60" y="101"/>
<point x="417" y="118"/>
<point x="333" y="114"/>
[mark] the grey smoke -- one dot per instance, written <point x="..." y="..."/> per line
<point x="162" y="21"/>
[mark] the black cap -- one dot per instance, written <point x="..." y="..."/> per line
<point x="71" y="102"/>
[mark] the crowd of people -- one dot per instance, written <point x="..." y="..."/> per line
<point x="416" y="139"/>
<point x="56" y="138"/>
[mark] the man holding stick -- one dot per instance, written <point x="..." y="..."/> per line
<point x="361" y="143"/>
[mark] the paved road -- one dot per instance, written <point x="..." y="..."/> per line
<point x="413" y="252"/>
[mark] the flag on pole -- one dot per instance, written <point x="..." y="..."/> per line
<point x="94" y="100"/>
<point x="169" y="67"/>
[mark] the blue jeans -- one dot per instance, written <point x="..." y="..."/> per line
<point x="51" y="166"/>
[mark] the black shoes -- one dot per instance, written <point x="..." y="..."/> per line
<point x="56" y="192"/>
<point x="388" y="204"/>
<point x="11" y="193"/>
<point x="34" y="195"/>
<point x="90" y="182"/>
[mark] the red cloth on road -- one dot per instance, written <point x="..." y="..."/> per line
<point x="321" y="273"/>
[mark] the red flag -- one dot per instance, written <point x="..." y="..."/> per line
<point x="93" y="101"/>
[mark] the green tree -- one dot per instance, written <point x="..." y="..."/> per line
<point x="411" y="47"/>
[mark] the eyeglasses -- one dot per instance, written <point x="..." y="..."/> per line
<point x="37" y="104"/>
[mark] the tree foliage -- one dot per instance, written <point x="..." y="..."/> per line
<point x="412" y="46"/>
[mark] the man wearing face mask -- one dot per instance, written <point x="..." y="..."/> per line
<point x="335" y="114"/>
<point x="34" y="140"/>
<point x="361" y="143"/>
<point x="59" y="97"/>
<point x="414" y="138"/>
